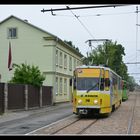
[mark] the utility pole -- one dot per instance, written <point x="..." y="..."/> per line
<point x="138" y="25"/>
<point x="136" y="32"/>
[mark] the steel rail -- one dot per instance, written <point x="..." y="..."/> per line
<point x="66" y="126"/>
<point x="87" y="127"/>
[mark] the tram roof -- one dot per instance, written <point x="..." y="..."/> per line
<point x="85" y="66"/>
<point x="107" y="68"/>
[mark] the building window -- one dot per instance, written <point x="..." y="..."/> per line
<point x="56" y="91"/>
<point x="56" y="57"/>
<point x="78" y="63"/>
<point x="60" y="60"/>
<point x="74" y="63"/>
<point x="65" y="61"/>
<point x="65" y="86"/>
<point x="81" y="63"/>
<point x="12" y="32"/>
<point x="60" y="87"/>
<point x="70" y="63"/>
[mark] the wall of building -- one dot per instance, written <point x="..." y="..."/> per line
<point x="29" y="47"/>
<point x="36" y="47"/>
<point x="65" y="63"/>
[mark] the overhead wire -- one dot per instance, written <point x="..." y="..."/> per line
<point x="74" y="8"/>
<point x="77" y="17"/>
<point x="107" y="14"/>
<point x="83" y="16"/>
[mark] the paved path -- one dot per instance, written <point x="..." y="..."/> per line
<point x="25" y="121"/>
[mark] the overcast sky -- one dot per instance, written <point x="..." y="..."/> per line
<point x="117" y="24"/>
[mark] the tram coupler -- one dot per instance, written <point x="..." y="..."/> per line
<point x="83" y="111"/>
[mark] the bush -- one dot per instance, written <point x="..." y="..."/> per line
<point x="26" y="74"/>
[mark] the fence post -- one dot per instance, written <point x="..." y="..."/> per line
<point x="26" y="97"/>
<point x="52" y="95"/>
<point x="5" y="97"/>
<point x="40" y="102"/>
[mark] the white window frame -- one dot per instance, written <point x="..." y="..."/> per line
<point x="74" y="63"/>
<point x="10" y="34"/>
<point x="56" y="82"/>
<point x="65" y="86"/>
<point x="57" y="57"/>
<point x="61" y="86"/>
<point x="65" y="61"/>
<point x="61" y="59"/>
<point x="70" y="63"/>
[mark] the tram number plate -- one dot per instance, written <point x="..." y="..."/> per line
<point x="87" y="100"/>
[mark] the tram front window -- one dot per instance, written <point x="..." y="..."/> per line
<point x="87" y="83"/>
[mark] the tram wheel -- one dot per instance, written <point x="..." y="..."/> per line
<point x="113" y="108"/>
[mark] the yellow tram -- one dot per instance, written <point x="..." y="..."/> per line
<point x="96" y="89"/>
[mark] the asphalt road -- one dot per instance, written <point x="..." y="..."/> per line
<point x="34" y="121"/>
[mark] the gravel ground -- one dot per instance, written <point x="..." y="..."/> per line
<point x="116" y="124"/>
<point x="136" y="119"/>
<point x="77" y="127"/>
<point x="55" y="126"/>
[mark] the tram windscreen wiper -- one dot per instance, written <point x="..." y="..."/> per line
<point x="92" y="87"/>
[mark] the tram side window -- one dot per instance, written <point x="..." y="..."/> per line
<point x="74" y="83"/>
<point x="107" y="84"/>
<point x="115" y="84"/>
<point x="102" y="84"/>
<point x="70" y="81"/>
<point x="119" y="83"/>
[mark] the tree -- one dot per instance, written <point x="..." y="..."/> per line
<point x="131" y="83"/>
<point x="26" y="74"/>
<point x="71" y="44"/>
<point x="109" y="54"/>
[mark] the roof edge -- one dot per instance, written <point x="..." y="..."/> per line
<point x="12" y="16"/>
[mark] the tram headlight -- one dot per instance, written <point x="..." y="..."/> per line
<point x="95" y="101"/>
<point x="79" y="101"/>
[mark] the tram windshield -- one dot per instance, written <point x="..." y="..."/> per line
<point x="87" y="84"/>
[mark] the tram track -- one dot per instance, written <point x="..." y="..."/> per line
<point x="125" y="120"/>
<point x="130" y="123"/>
<point x="76" y="125"/>
<point x="81" y="132"/>
<point x="73" y="126"/>
<point x="65" y="126"/>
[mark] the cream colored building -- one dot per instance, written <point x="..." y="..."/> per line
<point x="32" y="45"/>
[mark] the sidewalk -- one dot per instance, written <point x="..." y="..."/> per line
<point x="10" y="116"/>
